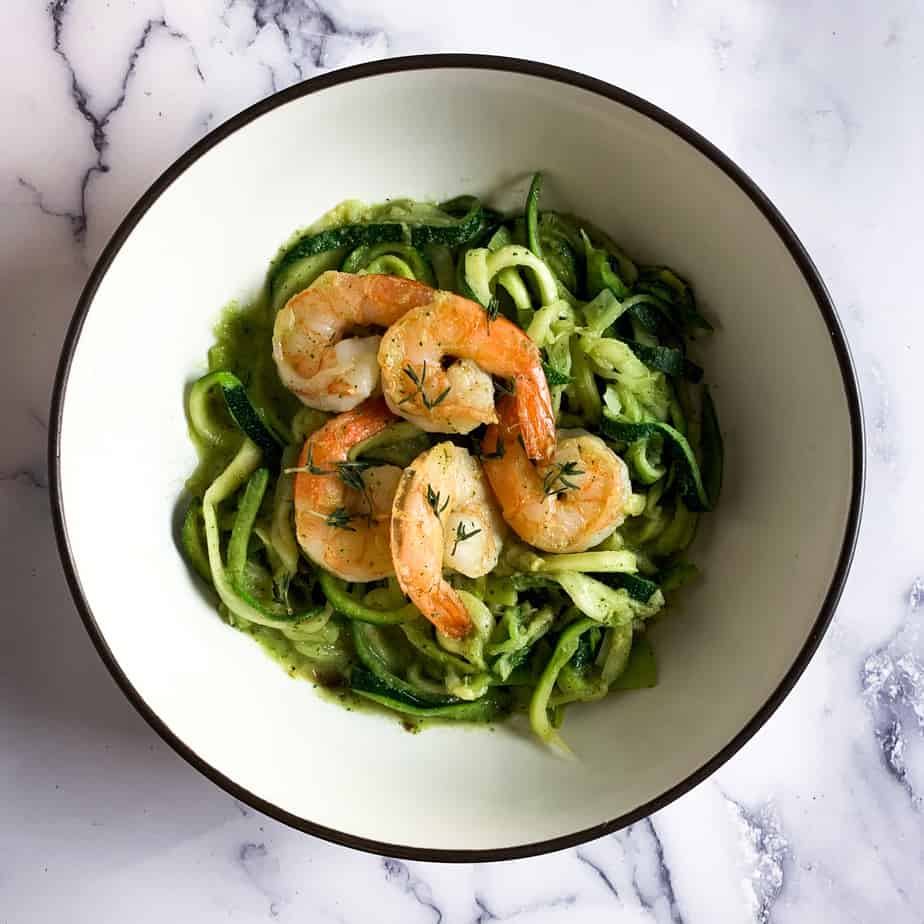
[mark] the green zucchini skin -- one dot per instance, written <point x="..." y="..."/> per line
<point x="373" y="679"/>
<point x="691" y="483"/>
<point x="298" y="274"/>
<point x="666" y="359"/>
<point x="565" y="649"/>
<point x="637" y="587"/>
<point x="335" y="591"/>
<point x="649" y="313"/>
<point x="665" y="285"/>
<point x="349" y="237"/>
<point x="239" y="600"/>
<point x="247" y="510"/>
<point x="373" y="660"/>
<point x="416" y="261"/>
<point x="191" y="539"/>
<point x="249" y="420"/>
<point x="652" y="312"/>
<point x="492" y="706"/>
<point x="586" y="650"/>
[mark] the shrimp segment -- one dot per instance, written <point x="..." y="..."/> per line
<point x="343" y="529"/>
<point x="314" y="360"/>
<point x="459" y="398"/>
<point x="568" y="505"/>
<point x="443" y="515"/>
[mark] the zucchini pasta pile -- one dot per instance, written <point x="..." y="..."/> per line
<point x="451" y="460"/>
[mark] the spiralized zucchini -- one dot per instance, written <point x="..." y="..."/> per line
<point x="548" y="630"/>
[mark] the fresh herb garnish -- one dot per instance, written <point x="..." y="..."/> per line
<point x="557" y="478"/>
<point x="351" y="473"/>
<point x="340" y="519"/>
<point x="493" y="308"/>
<point x="420" y="381"/>
<point x="433" y="499"/>
<point x="310" y="468"/>
<point x="462" y="535"/>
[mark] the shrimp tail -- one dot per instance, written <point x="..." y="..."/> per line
<point x="533" y="410"/>
<point x="535" y="414"/>
<point x="505" y="430"/>
<point x="447" y="612"/>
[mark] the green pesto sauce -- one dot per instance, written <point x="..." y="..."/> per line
<point x="297" y="666"/>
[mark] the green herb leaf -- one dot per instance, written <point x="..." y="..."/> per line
<point x="440" y="398"/>
<point x="433" y="499"/>
<point x="310" y="468"/>
<point x="341" y="519"/>
<point x="419" y="382"/>
<point x="557" y="478"/>
<point x="351" y="473"/>
<point x="462" y="535"/>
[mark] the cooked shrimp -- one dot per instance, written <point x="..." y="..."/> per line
<point x="569" y="504"/>
<point x="315" y="361"/>
<point x="342" y="528"/>
<point x="444" y="516"/>
<point x="459" y="398"/>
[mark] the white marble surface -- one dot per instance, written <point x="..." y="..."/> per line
<point x="819" y="818"/>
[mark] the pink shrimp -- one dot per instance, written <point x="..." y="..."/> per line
<point x="570" y="504"/>
<point x="316" y="358"/>
<point x="444" y="515"/>
<point x="458" y="398"/>
<point x="343" y="529"/>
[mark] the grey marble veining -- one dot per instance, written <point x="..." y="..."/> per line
<point x="819" y="818"/>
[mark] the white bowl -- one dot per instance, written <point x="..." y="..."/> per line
<point x="774" y="556"/>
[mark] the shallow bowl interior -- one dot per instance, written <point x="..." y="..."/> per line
<point x="771" y="572"/>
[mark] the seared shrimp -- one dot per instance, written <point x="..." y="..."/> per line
<point x="314" y="360"/>
<point x="459" y="398"/>
<point x="444" y="516"/>
<point x="342" y="528"/>
<point x="571" y="503"/>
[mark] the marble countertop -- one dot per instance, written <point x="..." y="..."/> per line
<point x="819" y="818"/>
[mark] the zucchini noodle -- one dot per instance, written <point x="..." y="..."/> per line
<point x="548" y="630"/>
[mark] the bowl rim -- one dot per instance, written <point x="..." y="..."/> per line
<point x="580" y="81"/>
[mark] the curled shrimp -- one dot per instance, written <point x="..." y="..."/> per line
<point x="444" y="516"/>
<point x="316" y="359"/>
<point x="458" y="398"/>
<point x="569" y="504"/>
<point x="342" y="512"/>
